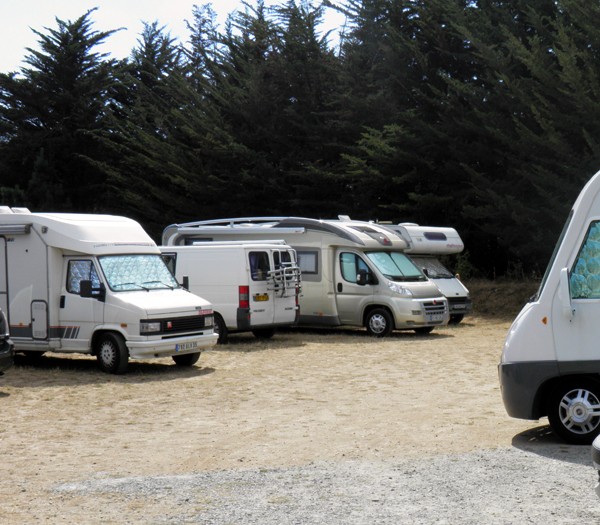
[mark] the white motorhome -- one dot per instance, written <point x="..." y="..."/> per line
<point x="95" y="284"/>
<point x="252" y="286"/>
<point x="425" y="245"/>
<point x="550" y="364"/>
<point x="353" y="273"/>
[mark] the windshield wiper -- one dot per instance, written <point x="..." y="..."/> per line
<point x="122" y="285"/>
<point x="159" y="282"/>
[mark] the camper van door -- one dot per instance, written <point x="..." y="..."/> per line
<point x="577" y="337"/>
<point x="79" y="315"/>
<point x="352" y="285"/>
<point x="3" y="277"/>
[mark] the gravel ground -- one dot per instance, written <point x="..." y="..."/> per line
<point x="540" y="484"/>
<point x="307" y="428"/>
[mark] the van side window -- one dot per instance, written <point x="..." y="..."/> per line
<point x="259" y="265"/>
<point x="585" y="275"/>
<point x="81" y="271"/>
<point x="170" y="260"/>
<point x="350" y="265"/>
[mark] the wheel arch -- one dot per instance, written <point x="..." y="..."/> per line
<point x="98" y="334"/>
<point x="540" y="401"/>
<point x="370" y="307"/>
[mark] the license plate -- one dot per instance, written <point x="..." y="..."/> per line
<point x="179" y="347"/>
<point x="435" y="318"/>
<point x="261" y="297"/>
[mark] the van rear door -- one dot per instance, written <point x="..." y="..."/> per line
<point x="286" y="283"/>
<point x="260" y="294"/>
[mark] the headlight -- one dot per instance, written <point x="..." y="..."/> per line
<point x="399" y="289"/>
<point x="150" y="327"/>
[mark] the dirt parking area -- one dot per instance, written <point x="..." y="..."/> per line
<point x="302" y="398"/>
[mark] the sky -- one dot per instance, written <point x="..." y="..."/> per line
<point x="19" y="17"/>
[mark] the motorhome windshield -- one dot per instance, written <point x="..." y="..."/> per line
<point x="136" y="272"/>
<point x="396" y="266"/>
<point x="435" y="269"/>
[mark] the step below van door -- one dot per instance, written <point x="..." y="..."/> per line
<point x="351" y="297"/>
<point x="78" y="316"/>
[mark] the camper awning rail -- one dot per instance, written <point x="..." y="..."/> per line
<point x="14" y="229"/>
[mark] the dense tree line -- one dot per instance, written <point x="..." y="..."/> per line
<point x="481" y="115"/>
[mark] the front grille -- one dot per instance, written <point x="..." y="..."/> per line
<point x="435" y="307"/>
<point x="179" y="325"/>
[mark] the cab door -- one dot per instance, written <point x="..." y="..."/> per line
<point x="577" y="335"/>
<point x="78" y="316"/>
<point x="261" y="293"/>
<point x="350" y="295"/>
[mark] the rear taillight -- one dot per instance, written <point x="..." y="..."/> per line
<point x="244" y="296"/>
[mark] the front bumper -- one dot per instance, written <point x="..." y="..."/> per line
<point x="151" y="347"/>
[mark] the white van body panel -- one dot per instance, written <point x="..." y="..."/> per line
<point x="554" y="341"/>
<point x="36" y="252"/>
<point x="217" y="270"/>
<point x="328" y="298"/>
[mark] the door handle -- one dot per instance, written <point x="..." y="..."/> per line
<point x="340" y="287"/>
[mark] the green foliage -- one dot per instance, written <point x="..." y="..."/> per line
<point x="481" y="115"/>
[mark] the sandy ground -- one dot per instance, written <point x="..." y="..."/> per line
<point x="300" y="398"/>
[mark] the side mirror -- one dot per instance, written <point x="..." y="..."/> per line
<point x="564" y="291"/>
<point x="86" y="290"/>
<point x="185" y="282"/>
<point x="426" y="272"/>
<point x="362" y="277"/>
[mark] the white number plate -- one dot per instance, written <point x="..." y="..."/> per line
<point x="185" y="346"/>
<point x="435" y="318"/>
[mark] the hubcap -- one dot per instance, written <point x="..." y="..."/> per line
<point x="377" y="323"/>
<point x="580" y="411"/>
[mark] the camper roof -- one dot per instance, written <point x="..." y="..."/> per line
<point x="81" y="233"/>
<point x="428" y="240"/>
<point x="357" y="232"/>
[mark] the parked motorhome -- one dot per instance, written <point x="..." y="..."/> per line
<point x="95" y="284"/>
<point x="252" y="286"/>
<point x="353" y="273"/>
<point x="425" y="245"/>
<point x="550" y="364"/>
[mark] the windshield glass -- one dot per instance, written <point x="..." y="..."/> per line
<point x="435" y="268"/>
<point x="396" y="266"/>
<point x="136" y="272"/>
<point x="553" y="257"/>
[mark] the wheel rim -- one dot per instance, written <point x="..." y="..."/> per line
<point x="107" y="353"/>
<point x="579" y="411"/>
<point x="377" y="323"/>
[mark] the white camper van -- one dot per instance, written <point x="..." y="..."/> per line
<point x="550" y="363"/>
<point x="95" y="284"/>
<point x="353" y="273"/>
<point x="252" y="286"/>
<point x="425" y="245"/>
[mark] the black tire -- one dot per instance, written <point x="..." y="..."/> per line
<point x="264" y="333"/>
<point x="186" y="359"/>
<point x="379" y="323"/>
<point x="424" y="330"/>
<point x="112" y="354"/>
<point x="221" y="329"/>
<point x="574" y="410"/>
<point x="456" y="318"/>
